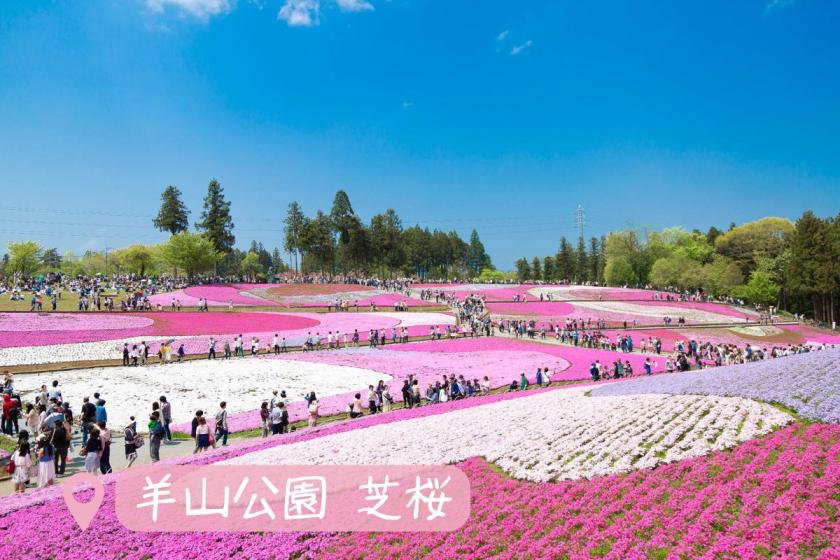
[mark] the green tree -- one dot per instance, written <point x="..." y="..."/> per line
<point x="581" y="262"/>
<point x="760" y="289"/>
<point x="138" y="259"/>
<point x="24" y="258"/>
<point x="216" y="222"/>
<point x="565" y="261"/>
<point x="477" y="257"/>
<point x="549" y="271"/>
<point x="251" y="265"/>
<point x="342" y="216"/>
<point x="536" y="268"/>
<point x="667" y="272"/>
<point x="385" y="237"/>
<point x="748" y="243"/>
<point x="619" y="272"/>
<point x="523" y="270"/>
<point x="626" y="244"/>
<point x="295" y="223"/>
<point x="812" y="264"/>
<point x="594" y="259"/>
<point x="317" y="243"/>
<point x="720" y="276"/>
<point x="173" y="215"/>
<point x="51" y="259"/>
<point x="191" y="252"/>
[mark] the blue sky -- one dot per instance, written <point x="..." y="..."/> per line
<point x="502" y="116"/>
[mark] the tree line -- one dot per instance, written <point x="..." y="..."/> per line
<point x="326" y="243"/>
<point x="772" y="261"/>
<point x="341" y="242"/>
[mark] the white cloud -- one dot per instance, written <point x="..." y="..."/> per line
<point x="354" y="5"/>
<point x="201" y="9"/>
<point x="407" y="103"/>
<point x="503" y="35"/>
<point x="300" y="13"/>
<point x="778" y="4"/>
<point x="519" y="48"/>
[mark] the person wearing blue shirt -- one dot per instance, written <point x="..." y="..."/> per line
<point x="101" y="413"/>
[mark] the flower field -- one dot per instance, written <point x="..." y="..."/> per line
<point x="691" y="465"/>
<point x="201" y="384"/>
<point x="808" y="383"/>
<point x="193" y="330"/>
<point x="573" y="442"/>
<point x="772" y="497"/>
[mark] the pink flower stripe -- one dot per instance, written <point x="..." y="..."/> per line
<point x="382" y="301"/>
<point x="490" y="293"/>
<point x="168" y="324"/>
<point x="580" y="358"/>
<point x="811" y="334"/>
<point x="224" y="294"/>
<point x="165" y="299"/>
<point x="774" y="497"/>
<point x="41" y="322"/>
<point x="534" y="308"/>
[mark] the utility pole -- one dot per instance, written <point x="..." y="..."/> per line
<point x="580" y="220"/>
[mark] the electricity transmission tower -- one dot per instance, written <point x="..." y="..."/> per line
<point x="580" y="220"/>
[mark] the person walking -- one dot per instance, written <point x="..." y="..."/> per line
<point x="166" y="414"/>
<point x="61" y="442"/>
<point x="22" y="462"/>
<point x="92" y="451"/>
<point x="222" y="423"/>
<point x="131" y="441"/>
<point x="155" y="435"/>
<point x="105" y="458"/>
<point x="88" y="416"/>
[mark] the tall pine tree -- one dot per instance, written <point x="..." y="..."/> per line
<point x="216" y="222"/>
<point x="172" y="216"/>
<point x="294" y="225"/>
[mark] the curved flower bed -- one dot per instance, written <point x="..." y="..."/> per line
<point x="773" y="497"/>
<point x="303" y="290"/>
<point x="571" y="442"/>
<point x="29" y="348"/>
<point x="808" y="383"/>
<point x="579" y="358"/>
<point x="90" y="327"/>
<point x="221" y="293"/>
<point x="534" y="308"/>
<point x="194" y="323"/>
<point x="491" y="292"/>
<point x="21" y="322"/>
<point x="571" y="293"/>
<point x="243" y="383"/>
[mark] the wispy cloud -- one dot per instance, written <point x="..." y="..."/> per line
<point x="774" y="5"/>
<point x="407" y="103"/>
<point x="201" y="9"/>
<point x="300" y="13"/>
<point x="354" y="5"/>
<point x="517" y="49"/>
<point x="307" y="13"/>
<point x="503" y="35"/>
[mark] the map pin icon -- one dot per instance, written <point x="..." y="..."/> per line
<point x="83" y="512"/>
